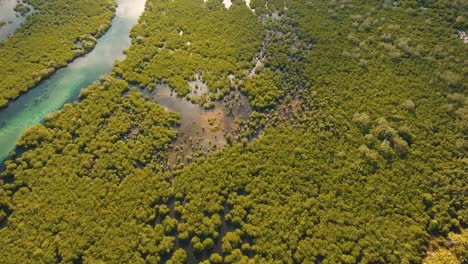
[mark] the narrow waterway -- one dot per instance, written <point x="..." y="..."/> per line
<point x="64" y="85"/>
<point x="10" y="18"/>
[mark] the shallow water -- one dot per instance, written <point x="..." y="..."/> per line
<point x="12" y="19"/>
<point x="64" y="85"/>
<point x="201" y="130"/>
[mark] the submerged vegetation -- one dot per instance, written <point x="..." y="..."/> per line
<point x="188" y="44"/>
<point x="48" y="40"/>
<point x="22" y="8"/>
<point x="355" y="153"/>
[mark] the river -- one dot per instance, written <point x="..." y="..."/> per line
<point x="65" y="84"/>
<point x="10" y="17"/>
<point x="200" y="131"/>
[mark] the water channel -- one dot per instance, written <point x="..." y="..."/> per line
<point x="64" y="85"/>
<point x="200" y="131"/>
<point x="10" y="19"/>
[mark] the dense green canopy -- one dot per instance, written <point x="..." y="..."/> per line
<point x="177" y="41"/>
<point x="356" y="153"/>
<point x="48" y="40"/>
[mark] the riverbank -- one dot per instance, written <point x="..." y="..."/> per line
<point x="65" y="84"/>
<point x="40" y="46"/>
<point x="10" y="19"/>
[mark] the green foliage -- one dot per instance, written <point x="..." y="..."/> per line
<point x="47" y="41"/>
<point x="22" y="8"/>
<point x="361" y="156"/>
<point x="356" y="164"/>
<point x="362" y="120"/>
<point x="216" y="258"/>
<point x="456" y="251"/>
<point x="94" y="157"/>
<point x="208" y="243"/>
<point x="263" y="90"/>
<point x="185" y="41"/>
<point x="458" y="243"/>
<point x="442" y="256"/>
<point x="179" y="257"/>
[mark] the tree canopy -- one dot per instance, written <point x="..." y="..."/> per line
<point x="355" y="153"/>
<point x="48" y="40"/>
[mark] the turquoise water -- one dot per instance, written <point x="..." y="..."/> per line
<point x="64" y="85"/>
